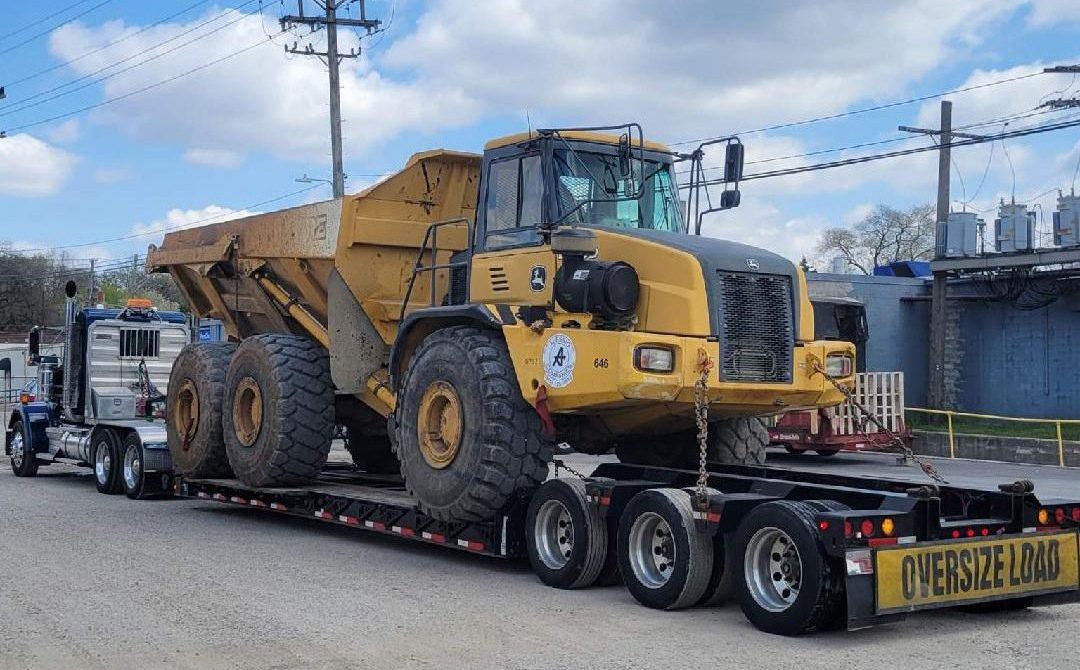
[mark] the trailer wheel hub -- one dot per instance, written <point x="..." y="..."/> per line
<point x="247" y="411"/>
<point x="187" y="410"/>
<point x="773" y="569"/>
<point x="439" y="424"/>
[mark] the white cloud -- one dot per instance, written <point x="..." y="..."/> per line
<point x="219" y="158"/>
<point x="179" y="219"/>
<point x="65" y="133"/>
<point x="31" y="168"/>
<point x="262" y="99"/>
<point x="1049" y="12"/>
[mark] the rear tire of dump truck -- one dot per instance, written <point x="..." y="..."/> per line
<point x="467" y="440"/>
<point x="738" y="441"/>
<point x="733" y="441"/>
<point x="279" y="410"/>
<point x="196" y="394"/>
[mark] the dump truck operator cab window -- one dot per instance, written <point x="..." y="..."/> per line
<point x="515" y="188"/>
<point x="591" y="192"/>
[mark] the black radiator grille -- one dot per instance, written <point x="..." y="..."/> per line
<point x="757" y="329"/>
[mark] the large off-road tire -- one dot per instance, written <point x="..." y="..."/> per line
<point x="23" y="461"/>
<point x="737" y="441"/>
<point x="194" y="402"/>
<point x="732" y="441"/>
<point x="466" y="438"/>
<point x="278" y="411"/>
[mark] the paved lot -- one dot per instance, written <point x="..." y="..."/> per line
<point x="94" y="581"/>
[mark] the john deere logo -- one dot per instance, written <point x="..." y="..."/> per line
<point x="752" y="263"/>
<point x="538" y="278"/>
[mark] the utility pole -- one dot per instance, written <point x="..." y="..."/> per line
<point x="936" y="395"/>
<point x="330" y="20"/>
<point x="92" y="277"/>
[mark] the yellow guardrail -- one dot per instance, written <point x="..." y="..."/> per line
<point x="949" y="414"/>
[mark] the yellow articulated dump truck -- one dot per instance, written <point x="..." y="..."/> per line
<point x="464" y="315"/>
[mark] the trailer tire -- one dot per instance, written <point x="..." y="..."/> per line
<point x="665" y="561"/>
<point x="23" y="461"/>
<point x="566" y="537"/>
<point x="483" y="443"/>
<point x="797" y="591"/>
<point x="721" y="580"/>
<point x="106" y="458"/>
<point x="194" y="401"/>
<point x="827" y="452"/>
<point x="279" y="410"/>
<point x="738" y="441"/>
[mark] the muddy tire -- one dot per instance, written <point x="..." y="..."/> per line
<point x="738" y="441"/>
<point x="279" y="410"/>
<point x="466" y="438"/>
<point x="195" y="398"/>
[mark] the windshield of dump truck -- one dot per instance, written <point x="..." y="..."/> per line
<point x="592" y="192"/>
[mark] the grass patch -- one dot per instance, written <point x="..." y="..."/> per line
<point x="995" y="427"/>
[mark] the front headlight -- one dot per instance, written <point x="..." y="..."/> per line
<point x="839" y="366"/>
<point x="654" y="359"/>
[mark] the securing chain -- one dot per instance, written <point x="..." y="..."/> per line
<point x="559" y="463"/>
<point x="701" y="415"/>
<point x="895" y="442"/>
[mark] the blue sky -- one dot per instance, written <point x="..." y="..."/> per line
<point x="451" y="73"/>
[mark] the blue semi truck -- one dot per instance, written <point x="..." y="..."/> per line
<point x="100" y="403"/>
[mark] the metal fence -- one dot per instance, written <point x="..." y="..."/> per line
<point x="950" y="415"/>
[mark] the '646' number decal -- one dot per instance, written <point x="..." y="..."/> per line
<point x="600" y="363"/>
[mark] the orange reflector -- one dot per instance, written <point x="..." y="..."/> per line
<point x="887" y="526"/>
<point x="139" y="303"/>
<point x="1044" y="517"/>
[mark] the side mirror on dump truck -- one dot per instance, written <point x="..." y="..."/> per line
<point x="35" y="345"/>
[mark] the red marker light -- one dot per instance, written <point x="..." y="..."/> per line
<point x="971" y="532"/>
<point x="1059" y="514"/>
<point x="867" y="528"/>
<point x="1076" y="514"/>
<point x="823" y="525"/>
<point x="985" y="532"/>
<point x="849" y="531"/>
<point x="955" y="534"/>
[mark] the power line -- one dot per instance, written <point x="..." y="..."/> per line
<point x="22" y="107"/>
<point x="43" y="19"/>
<point x="158" y="231"/>
<point x="137" y="91"/>
<point x="107" y="45"/>
<point x="1020" y="132"/>
<point x="33" y="37"/>
<point x="864" y="110"/>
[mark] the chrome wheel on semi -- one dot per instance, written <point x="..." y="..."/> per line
<point x="665" y="561"/>
<point x="23" y="462"/>
<point x="566" y="536"/>
<point x="106" y="459"/>
<point x="787" y="584"/>
<point x="773" y="569"/>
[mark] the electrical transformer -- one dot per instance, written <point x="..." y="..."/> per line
<point x="1013" y="228"/>
<point x="962" y="234"/>
<point x="1067" y="221"/>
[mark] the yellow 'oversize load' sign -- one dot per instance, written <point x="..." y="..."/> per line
<point x="955" y="572"/>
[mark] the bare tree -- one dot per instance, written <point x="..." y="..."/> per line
<point x="882" y="237"/>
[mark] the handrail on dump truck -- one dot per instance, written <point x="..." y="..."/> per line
<point x="432" y="234"/>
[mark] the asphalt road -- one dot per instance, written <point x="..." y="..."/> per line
<point x="93" y="581"/>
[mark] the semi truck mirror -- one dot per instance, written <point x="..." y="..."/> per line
<point x="35" y="344"/>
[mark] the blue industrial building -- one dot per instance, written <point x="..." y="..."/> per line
<point x="1001" y="359"/>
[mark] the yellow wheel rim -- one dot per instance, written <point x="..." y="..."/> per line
<point x="186" y="415"/>
<point x="247" y="411"/>
<point x="439" y="425"/>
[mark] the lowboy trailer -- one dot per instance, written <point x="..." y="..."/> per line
<point x="799" y="551"/>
